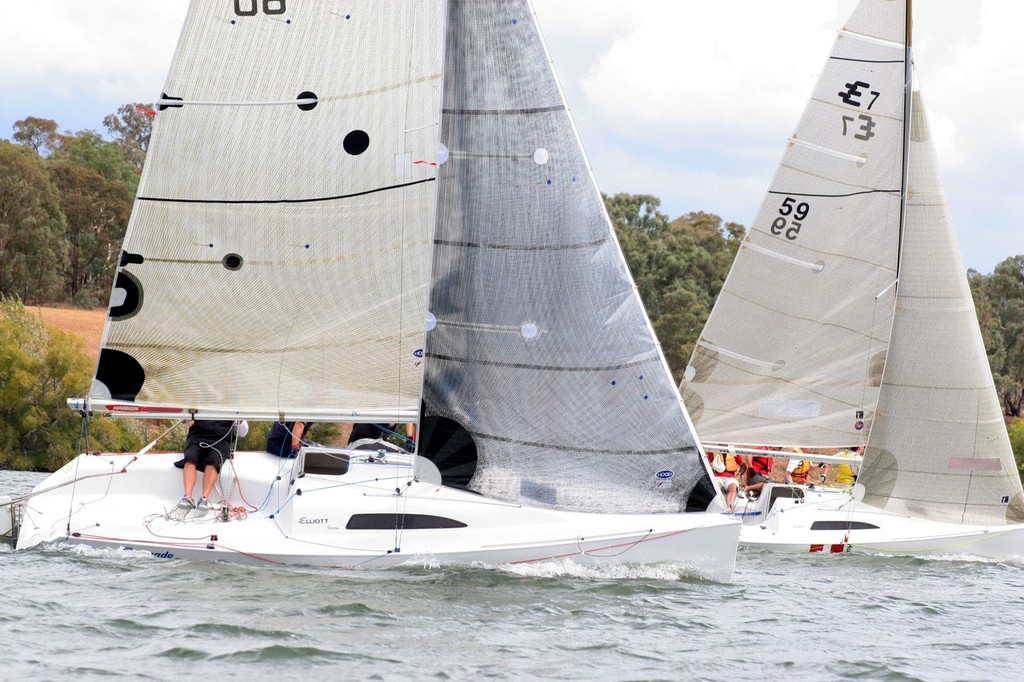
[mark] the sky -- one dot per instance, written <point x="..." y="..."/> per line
<point x="688" y="100"/>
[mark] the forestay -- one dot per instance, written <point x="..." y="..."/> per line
<point x="277" y="258"/>
<point x="793" y="351"/>
<point x="542" y="360"/>
<point x="939" y="449"/>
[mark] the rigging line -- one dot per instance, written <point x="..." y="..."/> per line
<point x="816" y="267"/>
<point x="835" y="196"/>
<point x="309" y="200"/>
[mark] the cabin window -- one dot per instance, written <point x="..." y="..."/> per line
<point x="405" y="521"/>
<point x="324" y="463"/>
<point x="842" y="525"/>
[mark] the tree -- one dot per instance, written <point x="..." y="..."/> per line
<point x="38" y="133"/>
<point x="88" y="149"/>
<point x="1004" y="294"/>
<point x="131" y="130"/>
<point x="40" y="368"/>
<point x="678" y="265"/>
<point x="97" y="211"/>
<point x="33" y="247"/>
<point x="1016" y="432"/>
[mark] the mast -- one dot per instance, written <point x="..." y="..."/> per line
<point x="908" y="89"/>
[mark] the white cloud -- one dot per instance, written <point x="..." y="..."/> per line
<point x="689" y="100"/>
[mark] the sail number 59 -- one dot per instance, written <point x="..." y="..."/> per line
<point x="250" y="8"/>
<point x="790" y="219"/>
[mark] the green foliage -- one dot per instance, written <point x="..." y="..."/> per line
<point x="40" y="368"/>
<point x="88" y="150"/>
<point x="33" y="238"/>
<point x="678" y="265"/>
<point x="38" y="133"/>
<point x="999" y="300"/>
<point x="1016" y="430"/>
<point x="97" y="211"/>
<point x="131" y="130"/>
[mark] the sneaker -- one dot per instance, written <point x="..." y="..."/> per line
<point x="186" y="505"/>
<point x="203" y="507"/>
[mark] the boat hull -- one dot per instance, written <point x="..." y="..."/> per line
<point x="833" y="521"/>
<point x="348" y="509"/>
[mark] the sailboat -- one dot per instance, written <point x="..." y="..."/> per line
<point x="358" y="216"/>
<point x="847" y="320"/>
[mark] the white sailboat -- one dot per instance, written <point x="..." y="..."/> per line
<point x="320" y="182"/>
<point x="847" y="320"/>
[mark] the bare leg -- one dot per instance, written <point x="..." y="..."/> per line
<point x="209" y="479"/>
<point x="189" y="477"/>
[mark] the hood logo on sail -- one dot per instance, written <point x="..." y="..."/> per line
<point x="418" y="353"/>
<point x="664" y="478"/>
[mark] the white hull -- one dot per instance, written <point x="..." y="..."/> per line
<point x="830" y="520"/>
<point x="339" y="508"/>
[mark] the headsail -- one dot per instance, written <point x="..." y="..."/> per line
<point x="939" y="448"/>
<point x="278" y="252"/>
<point x="544" y="381"/>
<point x="793" y="351"/>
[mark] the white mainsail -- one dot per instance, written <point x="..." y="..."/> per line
<point x="543" y="365"/>
<point x="793" y="351"/>
<point x="277" y="258"/>
<point x="939" y="449"/>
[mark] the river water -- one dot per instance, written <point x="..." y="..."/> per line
<point x="69" y="613"/>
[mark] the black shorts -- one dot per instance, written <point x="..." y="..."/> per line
<point x="203" y="451"/>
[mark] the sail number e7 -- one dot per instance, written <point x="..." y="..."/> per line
<point x="250" y="8"/>
<point x="790" y="219"/>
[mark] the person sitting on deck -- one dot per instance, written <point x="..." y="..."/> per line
<point x="759" y="472"/>
<point x="726" y="466"/>
<point x="208" y="445"/>
<point x="798" y="470"/>
<point x="285" y="438"/>
<point x="845" y="473"/>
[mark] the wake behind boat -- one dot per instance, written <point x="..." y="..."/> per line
<point x="847" y="320"/>
<point x="380" y="216"/>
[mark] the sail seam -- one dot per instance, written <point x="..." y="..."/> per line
<point x="868" y="61"/>
<point x="546" y="368"/>
<point x="871" y="39"/>
<point x="503" y="112"/>
<point x="309" y="200"/>
<point x="570" y="448"/>
<point x="835" y="196"/>
<point x="513" y="247"/>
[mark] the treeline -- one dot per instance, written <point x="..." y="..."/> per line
<point x="65" y="199"/>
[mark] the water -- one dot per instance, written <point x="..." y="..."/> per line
<point x="69" y="613"/>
